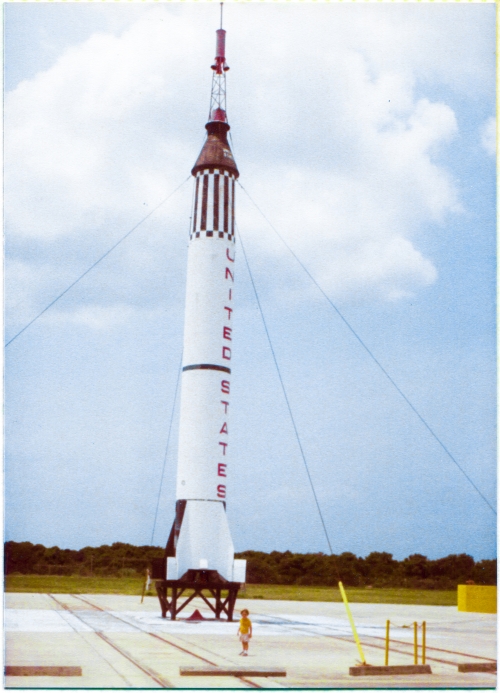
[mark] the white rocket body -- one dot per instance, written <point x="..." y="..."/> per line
<point x="206" y="377"/>
<point x="202" y="537"/>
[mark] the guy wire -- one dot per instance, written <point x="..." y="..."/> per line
<point x="372" y="356"/>
<point x="96" y="262"/>
<point x="179" y="371"/>
<point x="285" y="395"/>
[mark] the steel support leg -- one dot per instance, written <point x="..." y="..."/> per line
<point x="161" y="591"/>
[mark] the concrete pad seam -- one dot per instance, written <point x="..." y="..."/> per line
<point x="99" y="654"/>
<point x="163" y="683"/>
<point x="314" y="662"/>
<point x="142" y="630"/>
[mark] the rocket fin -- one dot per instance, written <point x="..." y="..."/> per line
<point x="170" y="547"/>
<point x="180" y="508"/>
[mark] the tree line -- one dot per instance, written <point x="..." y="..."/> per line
<point x="378" y="569"/>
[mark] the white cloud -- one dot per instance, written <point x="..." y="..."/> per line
<point x="354" y="227"/>
<point x="489" y="136"/>
<point x="85" y="139"/>
<point x="432" y="44"/>
<point x="95" y="317"/>
<point x="330" y="134"/>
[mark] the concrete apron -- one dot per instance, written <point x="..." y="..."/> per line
<point x="119" y="642"/>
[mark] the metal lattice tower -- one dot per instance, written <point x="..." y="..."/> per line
<point x="218" y="96"/>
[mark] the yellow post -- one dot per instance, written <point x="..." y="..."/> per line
<point x="415" y="642"/>
<point x="424" y="628"/>
<point x="351" y="621"/>
<point x="387" y="626"/>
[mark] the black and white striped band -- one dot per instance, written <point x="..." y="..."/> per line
<point x="213" y="209"/>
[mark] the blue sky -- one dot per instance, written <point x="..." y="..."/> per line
<point x="366" y="135"/>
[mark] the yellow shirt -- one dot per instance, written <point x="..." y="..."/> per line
<point x="245" y="625"/>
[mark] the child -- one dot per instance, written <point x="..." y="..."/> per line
<point x="245" y="631"/>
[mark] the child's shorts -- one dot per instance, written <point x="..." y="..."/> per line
<point x="244" y="637"/>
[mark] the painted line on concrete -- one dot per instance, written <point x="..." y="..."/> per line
<point x="379" y="647"/>
<point x="250" y="683"/>
<point x="378" y="637"/>
<point x="437" y="649"/>
<point x="163" y="683"/>
<point x="158" y="637"/>
<point x="99" y="654"/>
<point x="294" y="625"/>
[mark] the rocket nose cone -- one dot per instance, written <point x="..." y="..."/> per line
<point x="216" y="151"/>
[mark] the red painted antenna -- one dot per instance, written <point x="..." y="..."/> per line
<point x="220" y="67"/>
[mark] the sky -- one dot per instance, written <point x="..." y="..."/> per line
<point x="366" y="135"/>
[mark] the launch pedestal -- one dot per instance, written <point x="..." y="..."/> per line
<point x="200" y="582"/>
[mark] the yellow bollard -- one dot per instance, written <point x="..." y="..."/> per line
<point x="424" y="629"/>
<point x="387" y="626"/>
<point x="415" y="642"/>
<point x="351" y="620"/>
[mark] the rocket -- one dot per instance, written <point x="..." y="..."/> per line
<point x="200" y="536"/>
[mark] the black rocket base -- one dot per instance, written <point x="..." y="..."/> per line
<point x="206" y="584"/>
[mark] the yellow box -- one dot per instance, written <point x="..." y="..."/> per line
<point x="477" y="598"/>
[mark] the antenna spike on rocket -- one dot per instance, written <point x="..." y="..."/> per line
<point x="220" y="67"/>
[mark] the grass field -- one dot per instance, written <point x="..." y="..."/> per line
<point x="388" y="595"/>
<point x="131" y="585"/>
<point x="62" y="584"/>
